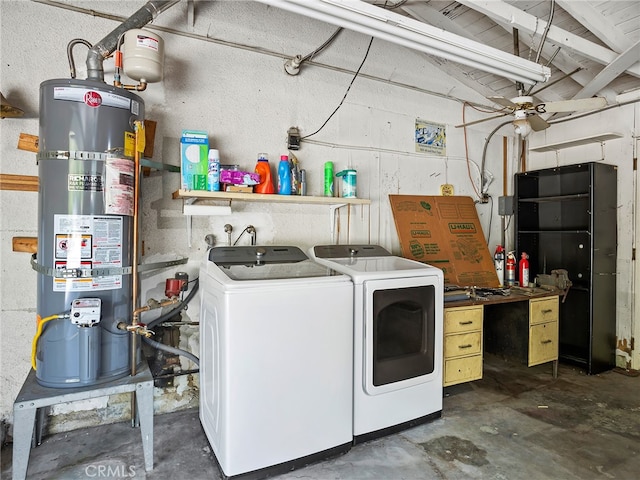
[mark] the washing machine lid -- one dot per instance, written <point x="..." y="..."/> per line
<point x="361" y="262"/>
<point x="349" y="251"/>
<point x="241" y="263"/>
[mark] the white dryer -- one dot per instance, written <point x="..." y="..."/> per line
<point x="276" y="355"/>
<point x="398" y="325"/>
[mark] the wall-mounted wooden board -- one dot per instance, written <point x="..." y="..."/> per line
<point x="24" y="183"/>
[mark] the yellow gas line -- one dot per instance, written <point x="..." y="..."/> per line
<point x="34" y="343"/>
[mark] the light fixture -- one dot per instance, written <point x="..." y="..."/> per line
<point x="522" y="127"/>
<point x="8" y="110"/>
<point x="365" y="18"/>
<point x="521" y="123"/>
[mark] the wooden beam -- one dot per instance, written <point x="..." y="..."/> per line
<point x="24" y="183"/>
<point x="597" y="23"/>
<point x="25" y="244"/>
<point x="504" y="12"/>
<point x="612" y="71"/>
<point x="149" y="137"/>
<point x="28" y="142"/>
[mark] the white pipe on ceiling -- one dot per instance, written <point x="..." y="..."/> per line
<point x="365" y="18"/>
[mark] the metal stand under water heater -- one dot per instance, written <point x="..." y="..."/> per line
<point x="86" y="233"/>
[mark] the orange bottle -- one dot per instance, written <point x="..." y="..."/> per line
<point x="264" y="170"/>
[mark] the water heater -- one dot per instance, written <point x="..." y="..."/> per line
<point x="85" y="228"/>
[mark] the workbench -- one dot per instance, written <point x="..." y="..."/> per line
<point x="522" y="326"/>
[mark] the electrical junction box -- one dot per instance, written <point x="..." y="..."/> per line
<point x="293" y="138"/>
<point x="86" y="311"/>
<point x="505" y="206"/>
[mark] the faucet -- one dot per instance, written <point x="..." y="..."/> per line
<point x="251" y="230"/>
<point x="228" y="229"/>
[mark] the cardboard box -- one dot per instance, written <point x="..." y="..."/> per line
<point x="239" y="188"/>
<point x="149" y="138"/>
<point x="445" y="232"/>
<point x="194" y="153"/>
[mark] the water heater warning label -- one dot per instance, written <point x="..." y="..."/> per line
<point x="86" y="242"/>
<point x="86" y="183"/>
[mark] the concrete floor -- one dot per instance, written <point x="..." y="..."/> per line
<point x="515" y="423"/>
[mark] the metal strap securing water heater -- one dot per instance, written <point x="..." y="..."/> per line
<point x="75" y="155"/>
<point x="91" y="272"/>
<point x="99" y="272"/>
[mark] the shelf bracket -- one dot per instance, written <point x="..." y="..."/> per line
<point x="332" y="217"/>
<point x="191" y="207"/>
<point x="189" y="218"/>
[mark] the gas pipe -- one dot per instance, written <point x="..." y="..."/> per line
<point x="498" y="258"/>
<point x="511" y="269"/>
<point x="523" y="270"/>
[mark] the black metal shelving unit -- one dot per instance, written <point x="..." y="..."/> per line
<point x="566" y="218"/>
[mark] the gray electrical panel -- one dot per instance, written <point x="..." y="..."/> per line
<point x="505" y="206"/>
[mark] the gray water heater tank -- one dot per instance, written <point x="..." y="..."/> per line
<point x="85" y="228"/>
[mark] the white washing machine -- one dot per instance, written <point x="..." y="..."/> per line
<point x="398" y="325"/>
<point x="276" y="356"/>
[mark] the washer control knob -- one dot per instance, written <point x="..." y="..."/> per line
<point x="260" y="252"/>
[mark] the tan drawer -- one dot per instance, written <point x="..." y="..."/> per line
<point x="543" y="343"/>
<point x="462" y="319"/>
<point x="543" y="310"/>
<point x="462" y="344"/>
<point x="461" y="370"/>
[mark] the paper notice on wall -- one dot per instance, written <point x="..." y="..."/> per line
<point x="119" y="183"/>
<point x="445" y="232"/>
<point x="431" y="137"/>
<point x="87" y="242"/>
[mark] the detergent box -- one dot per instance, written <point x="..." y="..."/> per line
<point x="194" y="153"/>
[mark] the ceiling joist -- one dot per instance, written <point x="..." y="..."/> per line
<point x="611" y="71"/>
<point x="595" y="22"/>
<point x="503" y="12"/>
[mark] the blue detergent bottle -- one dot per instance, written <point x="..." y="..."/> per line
<point x="284" y="176"/>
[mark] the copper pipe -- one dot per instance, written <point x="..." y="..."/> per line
<point x="134" y="261"/>
<point x="504" y="166"/>
<point x="505" y="144"/>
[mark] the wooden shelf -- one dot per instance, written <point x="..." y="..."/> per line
<point x="269" y="198"/>
<point x="603" y="137"/>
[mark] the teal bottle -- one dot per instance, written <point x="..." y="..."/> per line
<point x="284" y="176"/>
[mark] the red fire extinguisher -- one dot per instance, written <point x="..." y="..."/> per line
<point x="523" y="270"/>
<point x="510" y="269"/>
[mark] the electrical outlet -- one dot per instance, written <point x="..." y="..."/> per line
<point x="293" y="138"/>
